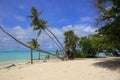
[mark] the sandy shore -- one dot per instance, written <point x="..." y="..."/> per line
<point x="8" y="63"/>
<point x="79" y="69"/>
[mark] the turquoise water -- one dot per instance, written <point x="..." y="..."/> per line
<point x="19" y="55"/>
<point x="101" y="54"/>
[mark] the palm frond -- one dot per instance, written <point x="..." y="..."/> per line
<point x="34" y="11"/>
<point x="39" y="13"/>
<point x="39" y="32"/>
<point x="30" y="16"/>
<point x="33" y="43"/>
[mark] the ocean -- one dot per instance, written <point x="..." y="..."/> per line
<point x="20" y="55"/>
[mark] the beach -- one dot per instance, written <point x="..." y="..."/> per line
<point x="78" y="69"/>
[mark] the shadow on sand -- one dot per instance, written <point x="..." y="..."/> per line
<point x="112" y="64"/>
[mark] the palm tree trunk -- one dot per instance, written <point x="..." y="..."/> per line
<point x="52" y="39"/>
<point x="57" y="41"/>
<point x="40" y="50"/>
<point x="31" y="56"/>
<point x="39" y="56"/>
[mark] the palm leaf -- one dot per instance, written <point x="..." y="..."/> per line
<point x="39" y="13"/>
<point x="30" y="16"/>
<point x="39" y="32"/>
<point x="34" y="11"/>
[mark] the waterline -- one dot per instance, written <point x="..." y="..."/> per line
<point x="19" y="55"/>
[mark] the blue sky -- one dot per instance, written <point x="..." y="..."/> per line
<point x="62" y="15"/>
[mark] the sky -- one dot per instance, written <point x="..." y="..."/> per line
<point x="62" y="15"/>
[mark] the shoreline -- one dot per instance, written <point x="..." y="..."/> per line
<point x="16" y="62"/>
<point x="23" y="62"/>
<point x="5" y="64"/>
<point x="78" y="69"/>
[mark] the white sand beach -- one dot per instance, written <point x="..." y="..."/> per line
<point x="79" y="69"/>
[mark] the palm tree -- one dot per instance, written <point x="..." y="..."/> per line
<point x="34" y="44"/>
<point x="40" y="50"/>
<point x="71" y="41"/>
<point x="40" y="24"/>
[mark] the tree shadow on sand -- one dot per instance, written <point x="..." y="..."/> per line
<point x="113" y="64"/>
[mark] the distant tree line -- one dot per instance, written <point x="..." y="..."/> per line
<point x="87" y="46"/>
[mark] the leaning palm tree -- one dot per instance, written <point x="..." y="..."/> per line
<point x="40" y="50"/>
<point x="34" y="44"/>
<point x="40" y="24"/>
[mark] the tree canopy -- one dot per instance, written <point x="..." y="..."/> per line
<point x="39" y="24"/>
<point x="34" y="44"/>
<point x="109" y="20"/>
<point x="71" y="41"/>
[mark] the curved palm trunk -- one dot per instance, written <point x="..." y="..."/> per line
<point x="31" y="56"/>
<point x="57" y="41"/>
<point x="57" y="45"/>
<point x="40" y="50"/>
<point x="52" y="39"/>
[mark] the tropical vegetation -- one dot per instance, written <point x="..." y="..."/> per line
<point x="88" y="46"/>
<point x="39" y="24"/>
<point x="71" y="41"/>
<point x="34" y="44"/>
<point x="109" y="20"/>
<point x="107" y="37"/>
<point x="108" y="34"/>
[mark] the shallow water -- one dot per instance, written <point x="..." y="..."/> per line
<point x="19" y="55"/>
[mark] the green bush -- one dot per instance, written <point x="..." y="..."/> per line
<point x="80" y="54"/>
<point x="83" y="55"/>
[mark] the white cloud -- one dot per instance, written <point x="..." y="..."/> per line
<point x="80" y="30"/>
<point x="7" y="43"/>
<point x="46" y="43"/>
<point x="85" y="19"/>
<point x="20" y="18"/>
<point x="19" y="32"/>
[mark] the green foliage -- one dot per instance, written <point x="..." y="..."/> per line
<point x="40" y="24"/>
<point x="85" y="43"/>
<point x="100" y="42"/>
<point x="109" y="20"/>
<point x="71" y="41"/>
<point x="85" y="46"/>
<point x="92" y="44"/>
<point x="37" y="23"/>
<point x="33" y="43"/>
<point x="77" y="54"/>
<point x="80" y="54"/>
<point x="83" y="55"/>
